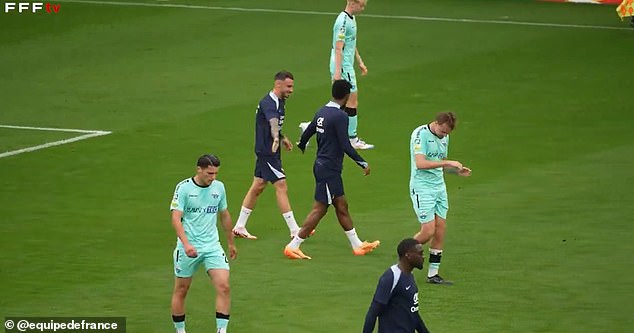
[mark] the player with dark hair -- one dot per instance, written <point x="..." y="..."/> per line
<point x="269" y="119"/>
<point x="196" y="203"/>
<point x="330" y="123"/>
<point x="395" y="301"/>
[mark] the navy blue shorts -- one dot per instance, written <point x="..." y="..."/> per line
<point x="269" y="168"/>
<point x="328" y="185"/>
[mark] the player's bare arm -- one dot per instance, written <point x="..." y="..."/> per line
<point x="338" y="59"/>
<point x="227" y="225"/>
<point x="275" y="133"/>
<point x="364" y="69"/>
<point x="180" y="233"/>
<point x="423" y="163"/>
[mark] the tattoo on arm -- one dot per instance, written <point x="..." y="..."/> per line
<point x="275" y="128"/>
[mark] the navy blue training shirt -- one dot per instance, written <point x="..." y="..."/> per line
<point x="331" y="125"/>
<point x="270" y="107"/>
<point x="397" y="295"/>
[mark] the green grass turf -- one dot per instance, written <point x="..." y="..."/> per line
<point x="539" y="238"/>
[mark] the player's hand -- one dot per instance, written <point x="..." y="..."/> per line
<point x="364" y="70"/>
<point x="190" y="251"/>
<point x="454" y="164"/>
<point x="288" y="145"/>
<point x="276" y="145"/>
<point x="366" y="171"/>
<point x="337" y="75"/>
<point x="233" y="252"/>
<point x="464" y="172"/>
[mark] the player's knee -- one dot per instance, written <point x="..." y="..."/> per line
<point x="280" y="186"/>
<point x="341" y="207"/>
<point x="181" y="290"/>
<point x="343" y="213"/>
<point x="319" y="211"/>
<point x="427" y="230"/>
<point x="223" y="288"/>
<point x="257" y="188"/>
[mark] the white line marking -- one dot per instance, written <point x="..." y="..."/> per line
<point x="309" y="12"/>
<point x="52" y="129"/>
<point x="88" y="134"/>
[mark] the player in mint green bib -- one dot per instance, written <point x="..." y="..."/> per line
<point x="196" y="205"/>
<point x="429" y="145"/>
<point x="343" y="54"/>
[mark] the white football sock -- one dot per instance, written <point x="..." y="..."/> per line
<point x="355" y="242"/>
<point x="296" y="242"/>
<point x="244" y="216"/>
<point x="290" y="222"/>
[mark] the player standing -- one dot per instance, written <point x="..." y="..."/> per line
<point x="395" y="301"/>
<point x="196" y="203"/>
<point x="342" y="57"/>
<point x="429" y="145"/>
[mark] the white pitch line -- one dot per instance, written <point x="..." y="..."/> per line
<point x="89" y="134"/>
<point x="309" y="12"/>
<point x="52" y="129"/>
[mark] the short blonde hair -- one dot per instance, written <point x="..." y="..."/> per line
<point x="448" y="118"/>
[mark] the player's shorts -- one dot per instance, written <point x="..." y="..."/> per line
<point x="185" y="266"/>
<point x="429" y="202"/>
<point x="269" y="168"/>
<point x="328" y="185"/>
<point x="347" y="73"/>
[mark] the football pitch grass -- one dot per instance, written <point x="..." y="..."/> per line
<point x="539" y="238"/>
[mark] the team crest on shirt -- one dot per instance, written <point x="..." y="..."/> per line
<point x="215" y="195"/>
<point x="342" y="32"/>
